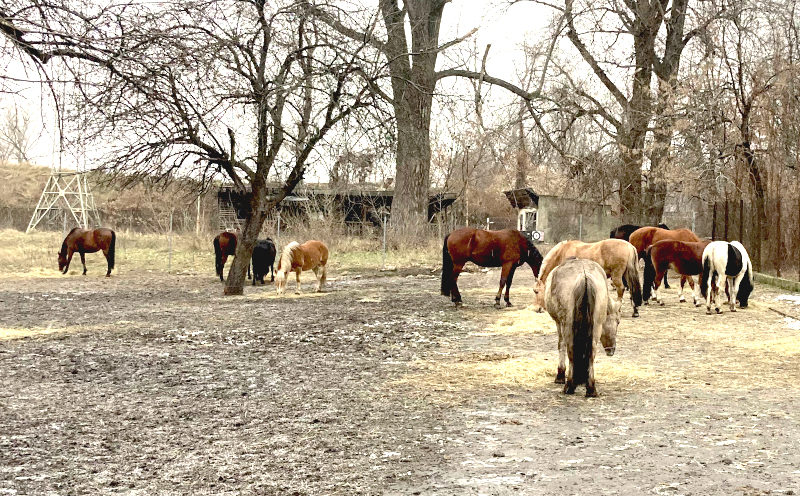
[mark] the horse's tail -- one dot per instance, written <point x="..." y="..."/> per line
<point x="706" y="273"/>
<point x="217" y="255"/>
<point x="582" y="332"/>
<point x="111" y="249"/>
<point x="649" y="274"/>
<point x="447" y="269"/>
<point x="632" y="278"/>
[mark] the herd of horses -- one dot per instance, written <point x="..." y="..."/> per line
<point x="571" y="280"/>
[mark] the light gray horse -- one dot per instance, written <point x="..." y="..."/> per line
<point x="577" y="298"/>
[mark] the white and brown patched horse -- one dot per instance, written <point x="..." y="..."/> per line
<point x="586" y="315"/>
<point x="617" y="257"/>
<point x="311" y="255"/>
<point x="731" y="263"/>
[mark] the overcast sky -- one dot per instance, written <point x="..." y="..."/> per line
<point x="505" y="27"/>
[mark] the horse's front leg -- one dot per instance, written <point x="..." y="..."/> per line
<point x="508" y="284"/>
<point x="272" y="273"/>
<point x="666" y="283"/>
<point x="221" y="267"/>
<point x="562" y="357"/>
<point x="69" y="260"/>
<point x="616" y="280"/>
<point x="503" y="278"/>
<point x="83" y="261"/>
<point x="297" y="274"/>
<point x="455" y="294"/>
<point x="693" y="288"/>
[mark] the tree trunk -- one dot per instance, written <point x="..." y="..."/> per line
<point x="760" y="218"/>
<point x="234" y="284"/>
<point x="630" y="178"/>
<point x="412" y="181"/>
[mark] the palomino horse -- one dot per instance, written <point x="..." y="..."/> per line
<point x="684" y="257"/>
<point x="263" y="260"/>
<point x="87" y="241"/>
<point x="624" y="232"/>
<point x="577" y="299"/>
<point x="311" y="255"/>
<point x="508" y="249"/>
<point x="615" y="256"/>
<point x="224" y="247"/>
<point x="729" y="260"/>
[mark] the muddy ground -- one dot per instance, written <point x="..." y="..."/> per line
<point x="150" y="383"/>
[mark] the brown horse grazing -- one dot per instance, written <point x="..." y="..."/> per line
<point x="644" y="237"/>
<point x="615" y="256"/>
<point x="686" y="258"/>
<point x="508" y="249"/>
<point x="311" y="255"/>
<point x="624" y="232"/>
<point x="87" y="241"/>
<point x="224" y="247"/>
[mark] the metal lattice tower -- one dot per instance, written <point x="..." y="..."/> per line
<point x="68" y="194"/>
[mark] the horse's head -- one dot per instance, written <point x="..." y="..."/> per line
<point x="62" y="261"/>
<point x="608" y="338"/>
<point x="538" y="296"/>
<point x="534" y="258"/>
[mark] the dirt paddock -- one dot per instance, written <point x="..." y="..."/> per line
<point x="149" y="383"/>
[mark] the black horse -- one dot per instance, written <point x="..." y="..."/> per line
<point x="624" y="232"/>
<point x="263" y="260"/>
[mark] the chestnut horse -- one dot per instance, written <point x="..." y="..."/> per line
<point x="615" y="256"/>
<point x="644" y="237"/>
<point x="87" y="241"/>
<point x="224" y="247"/>
<point x="311" y="255"/>
<point x="624" y="232"/>
<point x="684" y="257"/>
<point x="508" y="249"/>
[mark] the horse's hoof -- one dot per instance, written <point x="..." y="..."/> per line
<point x="539" y="310"/>
<point x="497" y="305"/>
<point x="591" y="392"/>
<point x="569" y="389"/>
<point x="661" y="303"/>
<point x="560" y="380"/>
<point x="718" y="310"/>
<point x="635" y="314"/>
<point x="733" y="309"/>
<point x="682" y="300"/>
<point x="458" y="304"/>
<point x="508" y="304"/>
<point x="646" y="302"/>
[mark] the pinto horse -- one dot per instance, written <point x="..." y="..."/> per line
<point x="224" y="247"/>
<point x="87" y="241"/>
<point x="508" y="249"/>
<point x="311" y="255"/>
<point x="615" y="256"/>
<point x="577" y="299"/>
<point x="684" y="257"/>
<point x="730" y="261"/>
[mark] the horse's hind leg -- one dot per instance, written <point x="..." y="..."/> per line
<point x="319" y="280"/>
<point x="734" y="289"/>
<point x="666" y="284"/>
<point x="323" y="277"/>
<point x="108" y="272"/>
<point x="656" y="285"/>
<point x="591" y="390"/>
<point x="272" y="273"/>
<point x="221" y="267"/>
<point x="455" y="294"/>
<point x="562" y="358"/>
<point x="83" y="261"/>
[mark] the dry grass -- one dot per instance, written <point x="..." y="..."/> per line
<point x="35" y="254"/>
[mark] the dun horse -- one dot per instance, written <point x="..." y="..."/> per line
<point x="615" y="256"/>
<point x="508" y="249"/>
<point x="87" y="241"/>
<point x="577" y="299"/>
<point x="224" y="247"/>
<point x="311" y="255"/>
<point x="730" y="261"/>
<point x="685" y="258"/>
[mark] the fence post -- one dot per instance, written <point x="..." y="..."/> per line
<point x="714" y="224"/>
<point x="169" y="259"/>
<point x="384" y="242"/>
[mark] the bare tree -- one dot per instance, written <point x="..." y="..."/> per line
<point x="239" y="88"/>
<point x="16" y="136"/>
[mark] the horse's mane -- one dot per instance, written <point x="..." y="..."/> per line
<point x="285" y="263"/>
<point x="543" y="270"/>
<point x="64" y="244"/>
